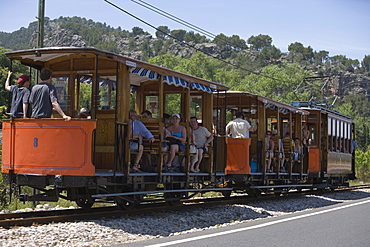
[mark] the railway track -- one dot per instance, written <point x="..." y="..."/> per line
<point x="53" y="216"/>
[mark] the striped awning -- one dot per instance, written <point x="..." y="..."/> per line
<point x="151" y="75"/>
<point x="202" y="87"/>
<point x="284" y="110"/>
<point x="173" y="80"/>
<point x="170" y="80"/>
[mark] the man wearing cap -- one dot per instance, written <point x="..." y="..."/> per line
<point x="44" y="98"/>
<point x="20" y="95"/>
<point x="239" y="128"/>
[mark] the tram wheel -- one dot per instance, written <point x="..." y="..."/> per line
<point x="173" y="198"/>
<point x="254" y="193"/>
<point x="85" y="203"/>
<point x="123" y="204"/>
<point x="226" y="193"/>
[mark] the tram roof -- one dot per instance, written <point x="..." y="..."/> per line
<point x="268" y="102"/>
<point x="308" y="105"/>
<point x="37" y="57"/>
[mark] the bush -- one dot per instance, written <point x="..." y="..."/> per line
<point x="363" y="166"/>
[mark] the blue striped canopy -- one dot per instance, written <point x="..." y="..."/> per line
<point x="151" y="75"/>
<point x="170" y="80"/>
<point x="173" y="80"/>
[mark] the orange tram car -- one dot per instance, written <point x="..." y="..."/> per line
<point x="89" y="160"/>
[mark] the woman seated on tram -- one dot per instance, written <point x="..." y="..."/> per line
<point x="176" y="134"/>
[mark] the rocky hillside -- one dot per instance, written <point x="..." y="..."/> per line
<point x="138" y="44"/>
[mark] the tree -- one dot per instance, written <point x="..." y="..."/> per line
<point x="268" y="55"/>
<point x="195" y="37"/>
<point x="137" y="31"/>
<point x="178" y="34"/>
<point x="366" y="63"/>
<point x="321" y="57"/>
<point x="259" y="42"/>
<point x="158" y="46"/>
<point x="162" y="32"/>
<point x="168" y="60"/>
<point x="276" y="82"/>
<point x="237" y="42"/>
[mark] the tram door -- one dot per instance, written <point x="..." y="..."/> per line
<point x="98" y="103"/>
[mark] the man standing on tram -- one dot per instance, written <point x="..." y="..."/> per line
<point x="239" y="128"/>
<point x="44" y="98"/>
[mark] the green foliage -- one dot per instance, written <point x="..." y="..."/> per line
<point x="299" y="53"/>
<point x="276" y="82"/>
<point x="363" y="166"/>
<point x="162" y="32"/>
<point x="259" y="42"/>
<point x="366" y="64"/>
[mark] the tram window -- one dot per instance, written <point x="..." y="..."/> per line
<point x="349" y="131"/>
<point x="272" y="125"/>
<point x="61" y="85"/>
<point x="173" y="104"/>
<point x="196" y="106"/>
<point x="338" y="128"/>
<point x="334" y="127"/>
<point x="84" y="95"/>
<point x="107" y="94"/>
<point x="312" y="139"/>
<point x="329" y="126"/>
<point x="152" y="105"/>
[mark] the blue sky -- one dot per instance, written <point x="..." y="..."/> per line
<point x="341" y="27"/>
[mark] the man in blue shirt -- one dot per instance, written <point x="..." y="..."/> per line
<point x="20" y="95"/>
<point x="137" y="132"/>
<point x="44" y="98"/>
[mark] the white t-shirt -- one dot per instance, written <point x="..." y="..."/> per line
<point x="201" y="135"/>
<point x="239" y="128"/>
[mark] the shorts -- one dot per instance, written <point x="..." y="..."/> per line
<point x="205" y="150"/>
<point x="134" y="146"/>
<point x="181" y="148"/>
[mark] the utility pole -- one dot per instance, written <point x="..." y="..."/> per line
<point x="40" y="33"/>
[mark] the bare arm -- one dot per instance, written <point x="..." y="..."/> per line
<point x="25" y="109"/>
<point x="7" y="82"/>
<point x="209" y="140"/>
<point x="56" y="107"/>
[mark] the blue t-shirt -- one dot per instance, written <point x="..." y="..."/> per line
<point x="42" y="97"/>
<point x="19" y="96"/>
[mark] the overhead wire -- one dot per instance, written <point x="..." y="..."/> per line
<point x="189" y="45"/>
<point x="174" y="18"/>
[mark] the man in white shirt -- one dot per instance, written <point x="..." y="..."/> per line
<point x="239" y="128"/>
<point x="203" y="138"/>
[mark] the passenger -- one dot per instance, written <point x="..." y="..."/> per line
<point x="20" y="95"/>
<point x="146" y="114"/>
<point x="177" y="136"/>
<point x="202" y="140"/>
<point x="166" y="120"/>
<point x="44" y="98"/>
<point x="138" y="131"/>
<point x="239" y="127"/>
<point x="270" y="145"/>
<point x="214" y="126"/>
<point x="83" y="113"/>
<point x="297" y="151"/>
<point x="305" y="136"/>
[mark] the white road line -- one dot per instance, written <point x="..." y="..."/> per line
<point x="256" y="226"/>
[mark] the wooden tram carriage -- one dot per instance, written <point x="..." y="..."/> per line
<point x="89" y="159"/>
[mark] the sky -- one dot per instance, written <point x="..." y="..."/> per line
<point x="341" y="27"/>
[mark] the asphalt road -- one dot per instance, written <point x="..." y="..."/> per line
<point x="344" y="224"/>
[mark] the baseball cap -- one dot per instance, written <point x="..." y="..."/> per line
<point x="23" y="78"/>
<point x="176" y="115"/>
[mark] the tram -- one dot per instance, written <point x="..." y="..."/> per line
<point x="89" y="160"/>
